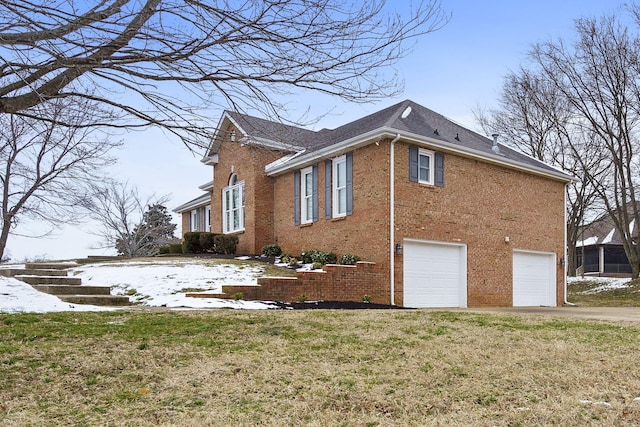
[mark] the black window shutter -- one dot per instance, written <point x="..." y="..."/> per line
<point x="296" y="197"/>
<point x="314" y="179"/>
<point x="413" y="163"/>
<point x="349" y="161"/>
<point x="439" y="169"/>
<point x="328" y="171"/>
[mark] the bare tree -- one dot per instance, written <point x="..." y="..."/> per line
<point x="135" y="227"/>
<point x="537" y="119"/>
<point x="599" y="77"/>
<point x="48" y="165"/>
<point x="158" y="61"/>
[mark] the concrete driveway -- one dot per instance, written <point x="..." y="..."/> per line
<point x="629" y="314"/>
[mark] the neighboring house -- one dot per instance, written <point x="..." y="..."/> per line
<point x="601" y="248"/>
<point x="196" y="214"/>
<point x="452" y="219"/>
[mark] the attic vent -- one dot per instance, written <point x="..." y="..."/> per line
<point x="406" y="112"/>
<point x="436" y="132"/>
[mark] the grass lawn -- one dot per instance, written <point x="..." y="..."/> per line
<point x="589" y="293"/>
<point x="316" y="367"/>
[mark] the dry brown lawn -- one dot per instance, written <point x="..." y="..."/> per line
<point x="316" y="368"/>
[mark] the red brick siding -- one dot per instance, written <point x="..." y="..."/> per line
<point x="335" y="283"/>
<point x="479" y="206"/>
<point x="248" y="163"/>
<point x="365" y="233"/>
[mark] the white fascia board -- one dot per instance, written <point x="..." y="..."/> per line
<point x="491" y="158"/>
<point x="386" y="132"/>
<point x="270" y="144"/>
<point x="210" y="160"/>
<point x="283" y="160"/>
<point x="274" y="169"/>
<point x="206" y="187"/>
<point x="203" y="200"/>
<point x="218" y="130"/>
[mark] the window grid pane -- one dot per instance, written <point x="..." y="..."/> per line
<point x="424" y="168"/>
<point x="233" y="208"/>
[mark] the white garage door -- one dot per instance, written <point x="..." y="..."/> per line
<point x="534" y="279"/>
<point x="435" y="274"/>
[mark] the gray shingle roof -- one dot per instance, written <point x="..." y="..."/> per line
<point x="602" y="231"/>
<point x="420" y="121"/>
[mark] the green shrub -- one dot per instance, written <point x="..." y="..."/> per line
<point x="315" y="255"/>
<point x="175" y="248"/>
<point x="271" y="250"/>
<point x="302" y="298"/>
<point x="292" y="262"/>
<point x="349" y="259"/>
<point x="238" y="296"/>
<point x="366" y="299"/>
<point x="285" y="258"/>
<point x="164" y="250"/>
<point x="224" y="244"/>
<point x="191" y="243"/>
<point x="316" y="266"/>
<point x="207" y="241"/>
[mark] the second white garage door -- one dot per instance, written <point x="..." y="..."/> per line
<point x="534" y="279"/>
<point x="435" y="274"/>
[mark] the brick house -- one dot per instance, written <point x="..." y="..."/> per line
<point x="450" y="218"/>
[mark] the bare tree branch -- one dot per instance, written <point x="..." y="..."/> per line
<point x="599" y="76"/>
<point x="47" y="167"/>
<point x="144" y="56"/>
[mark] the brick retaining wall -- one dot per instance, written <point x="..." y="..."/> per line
<point x="333" y="283"/>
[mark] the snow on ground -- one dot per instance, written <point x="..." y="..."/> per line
<point x="164" y="283"/>
<point x="605" y="283"/>
<point x="152" y="283"/>
<point x="17" y="296"/>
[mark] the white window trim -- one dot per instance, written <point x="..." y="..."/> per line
<point x="227" y="228"/>
<point x="335" y="190"/>
<point x="432" y="159"/>
<point x="306" y="217"/>
<point x="194" y="220"/>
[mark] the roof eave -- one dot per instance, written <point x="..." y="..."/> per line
<point x="387" y="132"/>
<point x="203" y="200"/>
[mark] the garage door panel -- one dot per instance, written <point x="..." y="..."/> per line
<point x="534" y="281"/>
<point x="434" y="275"/>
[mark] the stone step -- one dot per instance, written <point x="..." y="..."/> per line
<point x="73" y="289"/>
<point x="50" y="265"/>
<point x="10" y="272"/>
<point x="100" y="258"/>
<point x="102" y="300"/>
<point x="49" y="280"/>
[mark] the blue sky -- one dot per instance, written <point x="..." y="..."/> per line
<point x="451" y="71"/>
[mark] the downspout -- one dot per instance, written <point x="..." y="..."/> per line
<point x="564" y="277"/>
<point x="392" y="169"/>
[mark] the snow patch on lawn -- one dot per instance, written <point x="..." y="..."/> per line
<point x="604" y="283"/>
<point x="147" y="283"/>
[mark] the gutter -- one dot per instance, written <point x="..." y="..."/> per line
<point x="387" y="132"/>
<point x="392" y="207"/>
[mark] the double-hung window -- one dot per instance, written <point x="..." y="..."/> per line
<point x="425" y="166"/>
<point x="306" y="196"/>
<point x="207" y="212"/>
<point x="340" y="186"/>
<point x="233" y="206"/>
<point x="194" y="220"/>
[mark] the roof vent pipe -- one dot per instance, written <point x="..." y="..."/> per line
<point x="495" y="147"/>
